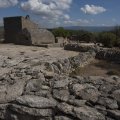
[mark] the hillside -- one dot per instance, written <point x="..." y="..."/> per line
<point x="90" y="28"/>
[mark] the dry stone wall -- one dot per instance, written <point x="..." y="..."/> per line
<point x="44" y="91"/>
<point x="109" y="54"/>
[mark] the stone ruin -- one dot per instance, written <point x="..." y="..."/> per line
<point x="21" y="30"/>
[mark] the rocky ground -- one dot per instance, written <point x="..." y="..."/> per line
<point x="35" y="85"/>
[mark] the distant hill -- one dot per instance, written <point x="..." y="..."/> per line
<point x="90" y="28"/>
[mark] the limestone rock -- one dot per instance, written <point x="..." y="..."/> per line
<point x="36" y="101"/>
<point x="87" y="113"/>
<point x="33" y="86"/>
<point x="107" y="102"/>
<point x="31" y="111"/>
<point x="65" y="108"/>
<point x="86" y="92"/>
<point x="114" y="114"/>
<point x="9" y="93"/>
<point x="76" y="102"/>
<point x="61" y="84"/>
<point x="116" y="95"/>
<point x="62" y="118"/>
<point x="62" y="95"/>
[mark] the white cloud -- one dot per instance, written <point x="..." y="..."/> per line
<point x="7" y="3"/>
<point x="92" y="9"/>
<point x="51" y="11"/>
<point x="49" y="8"/>
<point x="66" y="17"/>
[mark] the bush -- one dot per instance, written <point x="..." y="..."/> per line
<point x="107" y="39"/>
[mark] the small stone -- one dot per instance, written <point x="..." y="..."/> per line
<point x="48" y="74"/>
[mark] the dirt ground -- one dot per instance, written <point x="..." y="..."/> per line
<point x="98" y="68"/>
<point x="44" y="54"/>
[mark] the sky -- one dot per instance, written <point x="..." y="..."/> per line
<point x="55" y="13"/>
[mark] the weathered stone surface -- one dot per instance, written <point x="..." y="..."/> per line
<point x="33" y="86"/>
<point x="31" y="111"/>
<point x="107" y="118"/>
<point x="107" y="102"/>
<point x="76" y="102"/>
<point x="62" y="118"/>
<point x="65" y="108"/>
<point x="34" y="95"/>
<point x="11" y="92"/>
<point x="61" y="84"/>
<point x="83" y="113"/>
<point x="87" y="113"/>
<point x="114" y="114"/>
<point x="3" y="108"/>
<point x="28" y="33"/>
<point x="80" y="47"/>
<point x="116" y="95"/>
<point x="36" y="101"/>
<point x="86" y="92"/>
<point x="101" y="109"/>
<point x="62" y="95"/>
<point x="109" y="54"/>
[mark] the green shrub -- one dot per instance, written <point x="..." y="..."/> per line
<point x="107" y="39"/>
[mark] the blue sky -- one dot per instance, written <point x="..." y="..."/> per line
<point x="52" y="13"/>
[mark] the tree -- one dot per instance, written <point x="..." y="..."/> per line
<point x="60" y="32"/>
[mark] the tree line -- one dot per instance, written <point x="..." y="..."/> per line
<point x="107" y="38"/>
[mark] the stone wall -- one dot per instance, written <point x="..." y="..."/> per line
<point x="12" y="26"/>
<point x="81" y="47"/>
<point x="35" y="90"/>
<point x="28" y="94"/>
<point x="20" y="30"/>
<point x="109" y="55"/>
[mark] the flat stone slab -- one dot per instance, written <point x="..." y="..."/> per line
<point x="36" y="102"/>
